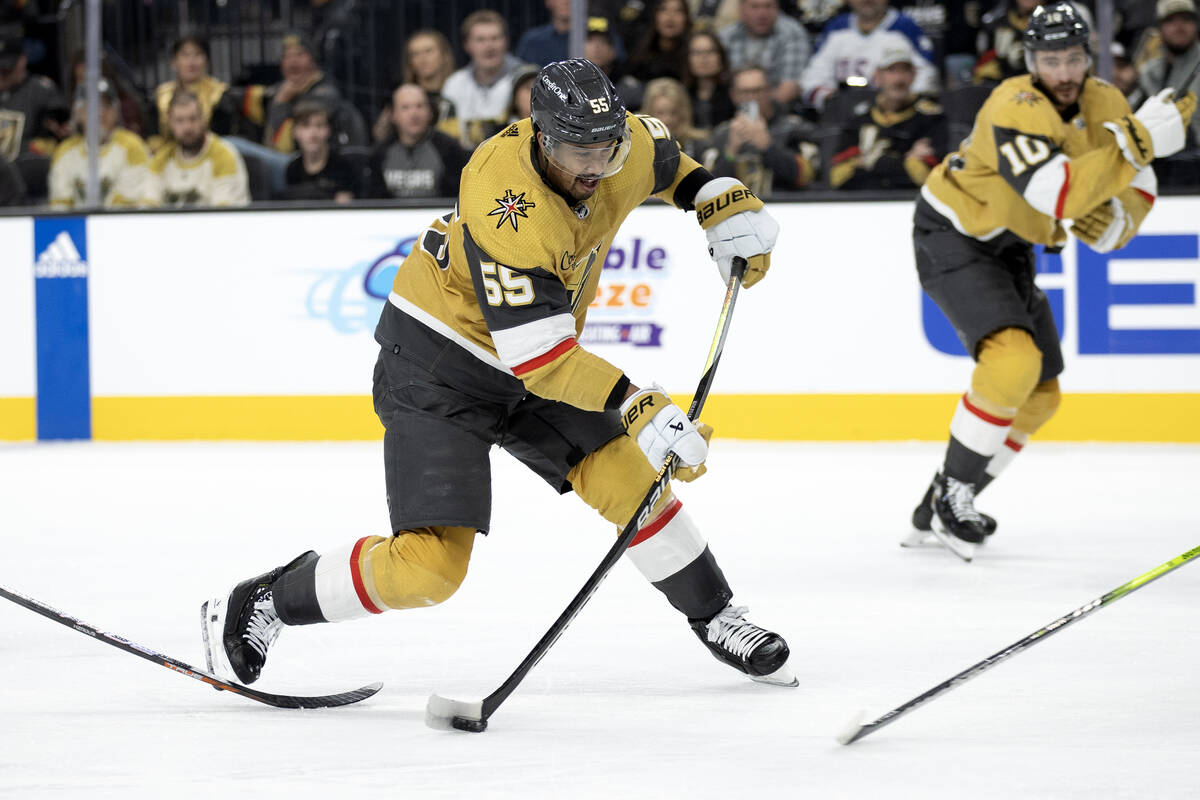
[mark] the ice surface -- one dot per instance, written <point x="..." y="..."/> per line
<point x="133" y="537"/>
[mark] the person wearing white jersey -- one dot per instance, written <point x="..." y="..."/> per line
<point x="197" y="167"/>
<point x="850" y="47"/>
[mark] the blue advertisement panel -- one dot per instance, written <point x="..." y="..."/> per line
<point x="60" y="271"/>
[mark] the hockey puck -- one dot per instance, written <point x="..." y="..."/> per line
<point x="468" y="724"/>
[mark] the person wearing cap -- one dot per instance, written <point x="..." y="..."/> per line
<point x="33" y="112"/>
<point x="600" y="47"/>
<point x="851" y="45"/>
<point x="1180" y="53"/>
<point x="124" y="163"/>
<point x="1126" y="77"/>
<point x="896" y="141"/>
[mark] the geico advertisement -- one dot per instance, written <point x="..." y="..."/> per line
<point x="279" y="303"/>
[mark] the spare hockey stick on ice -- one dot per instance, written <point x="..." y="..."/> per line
<point x="444" y="713"/>
<point x="857" y="730"/>
<point x="120" y="642"/>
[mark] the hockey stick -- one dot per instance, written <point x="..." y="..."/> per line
<point x="121" y="643"/>
<point x="444" y="713"/>
<point x="856" y="730"/>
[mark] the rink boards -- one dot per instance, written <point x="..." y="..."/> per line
<point x="258" y="325"/>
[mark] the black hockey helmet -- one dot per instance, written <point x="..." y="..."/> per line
<point x="1056" y="26"/>
<point x="576" y="107"/>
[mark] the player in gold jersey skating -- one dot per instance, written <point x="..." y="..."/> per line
<point x="479" y="347"/>
<point x="1051" y="151"/>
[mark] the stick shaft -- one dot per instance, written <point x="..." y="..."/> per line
<point x="660" y="485"/>
<point x="1024" y="644"/>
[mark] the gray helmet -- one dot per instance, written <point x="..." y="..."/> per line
<point x="574" y="102"/>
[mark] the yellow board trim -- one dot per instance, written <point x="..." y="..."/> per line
<point x="808" y="417"/>
<point x="18" y="419"/>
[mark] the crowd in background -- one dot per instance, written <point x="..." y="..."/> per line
<point x="785" y="95"/>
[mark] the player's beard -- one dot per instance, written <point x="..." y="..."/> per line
<point x="584" y="187"/>
<point x="1066" y="93"/>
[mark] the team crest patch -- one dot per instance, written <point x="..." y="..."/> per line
<point x="1026" y="97"/>
<point x="510" y="207"/>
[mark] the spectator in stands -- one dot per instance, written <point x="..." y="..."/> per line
<point x="662" y="51"/>
<point x="1180" y="52"/>
<point x="271" y="106"/>
<point x="668" y="101"/>
<point x="707" y="80"/>
<point x="418" y="161"/>
<point x="764" y="37"/>
<point x="850" y="46"/>
<point x="545" y="43"/>
<point x="599" y="47"/>
<point x="1001" y="45"/>
<point x="519" y="106"/>
<point x="12" y="185"/>
<point x="428" y="62"/>
<point x="33" y="113"/>
<point x="482" y="89"/>
<point x="190" y="63"/>
<point x="196" y="167"/>
<point x="760" y="147"/>
<point x="133" y="115"/>
<point x="895" y="143"/>
<point x="1125" y="76"/>
<point x="318" y="172"/>
<point x="125" y="177"/>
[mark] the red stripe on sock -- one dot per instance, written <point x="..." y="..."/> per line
<point x="985" y="416"/>
<point x="1014" y="446"/>
<point x="666" y="516"/>
<point x="356" y="576"/>
<point x="1062" y="193"/>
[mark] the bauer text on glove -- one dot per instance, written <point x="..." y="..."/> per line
<point x="660" y="428"/>
<point x="737" y="226"/>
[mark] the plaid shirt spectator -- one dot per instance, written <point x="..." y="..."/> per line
<point x="783" y="53"/>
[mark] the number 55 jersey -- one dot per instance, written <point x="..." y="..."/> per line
<point x="508" y="275"/>
<point x="1026" y="167"/>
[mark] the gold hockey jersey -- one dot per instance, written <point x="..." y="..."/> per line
<point x="509" y="274"/>
<point x="1025" y="167"/>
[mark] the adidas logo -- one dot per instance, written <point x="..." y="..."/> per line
<point x="60" y="260"/>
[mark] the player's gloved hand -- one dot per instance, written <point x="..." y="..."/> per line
<point x="1162" y="120"/>
<point x="1105" y="228"/>
<point x="660" y="428"/>
<point x="737" y="226"/>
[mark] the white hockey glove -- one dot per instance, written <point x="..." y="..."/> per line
<point x="737" y="227"/>
<point x="660" y="428"/>
<point x="1162" y="119"/>
<point x="1105" y="228"/>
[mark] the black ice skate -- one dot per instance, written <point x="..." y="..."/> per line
<point x="922" y="518"/>
<point x="759" y="653"/>
<point x="955" y="521"/>
<point x="239" y="629"/>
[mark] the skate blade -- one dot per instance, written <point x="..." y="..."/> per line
<point x="212" y="629"/>
<point x="780" y="677"/>
<point x="964" y="550"/>
<point x="444" y="714"/>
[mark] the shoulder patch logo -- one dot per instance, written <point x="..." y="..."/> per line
<point x="1026" y="97"/>
<point x="511" y="130"/>
<point x="510" y="207"/>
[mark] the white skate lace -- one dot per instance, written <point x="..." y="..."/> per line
<point x="263" y="627"/>
<point x="729" y="630"/>
<point x="961" y="497"/>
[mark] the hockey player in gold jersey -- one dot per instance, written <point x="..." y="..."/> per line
<point x="1050" y="151"/>
<point x="479" y="347"/>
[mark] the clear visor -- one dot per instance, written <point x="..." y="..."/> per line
<point x="588" y="161"/>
